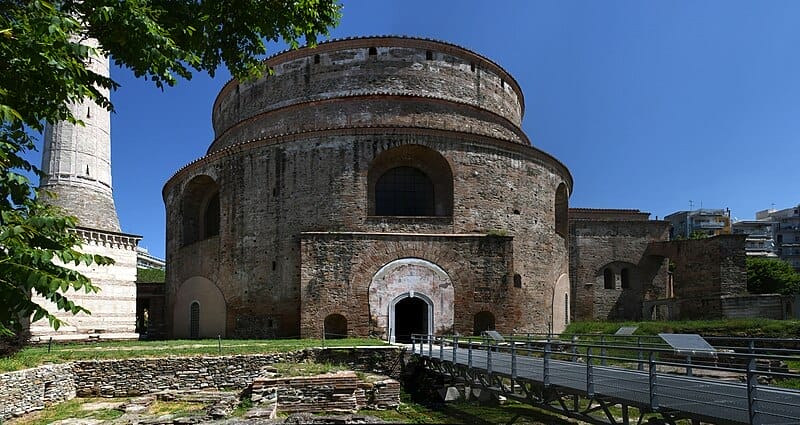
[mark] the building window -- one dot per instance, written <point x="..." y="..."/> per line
<point x="404" y="191"/>
<point x="373" y="51"/>
<point x="194" y="320"/>
<point x="625" y="278"/>
<point x="410" y="180"/>
<point x="201" y="210"/>
<point x="517" y="280"/>
<point x="211" y="217"/>
<point x="561" y="210"/>
<point x="608" y="279"/>
<point x="316" y="59"/>
<point x="428" y="55"/>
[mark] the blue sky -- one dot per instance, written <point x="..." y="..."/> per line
<point x="650" y="104"/>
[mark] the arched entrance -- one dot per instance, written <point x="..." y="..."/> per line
<point x="398" y="288"/>
<point x="410" y="313"/>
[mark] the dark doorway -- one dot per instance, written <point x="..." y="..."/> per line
<point x="335" y="326"/>
<point x="410" y="317"/>
<point x="483" y="321"/>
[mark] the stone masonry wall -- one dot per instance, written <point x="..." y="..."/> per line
<point x="272" y="192"/>
<point x="338" y="392"/>
<point x="337" y="269"/>
<point x="29" y="390"/>
<point x="32" y="389"/>
<point x="113" y="309"/>
<point x="618" y="244"/>
<point x="705" y="270"/>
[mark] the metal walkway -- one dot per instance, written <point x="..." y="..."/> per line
<point x="565" y="377"/>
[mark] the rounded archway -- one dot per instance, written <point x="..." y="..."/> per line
<point x="409" y="314"/>
<point x="335" y="326"/>
<point x="199" y="310"/>
<point x="482" y="322"/>
<point x="410" y="278"/>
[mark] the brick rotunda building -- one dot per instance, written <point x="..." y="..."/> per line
<point x="371" y="186"/>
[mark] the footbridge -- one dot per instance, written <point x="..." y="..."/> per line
<point x="628" y="379"/>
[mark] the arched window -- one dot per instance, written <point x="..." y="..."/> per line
<point x="625" y="278"/>
<point x="410" y="180"/>
<point x="561" y="210"/>
<point x="404" y="191"/>
<point x="517" y="280"/>
<point x="211" y="217"/>
<point x="608" y="279"/>
<point x="483" y="321"/>
<point x="194" y="320"/>
<point x="201" y="210"/>
<point x="335" y="326"/>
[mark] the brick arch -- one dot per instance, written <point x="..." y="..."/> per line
<point x="365" y="268"/>
<point x="428" y="162"/>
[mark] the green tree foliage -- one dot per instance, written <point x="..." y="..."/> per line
<point x="150" y="275"/>
<point x="43" y="68"/>
<point x="771" y="276"/>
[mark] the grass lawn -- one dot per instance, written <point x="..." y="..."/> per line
<point x="61" y="353"/>
<point x="759" y="328"/>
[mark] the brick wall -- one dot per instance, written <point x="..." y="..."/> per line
<point x="618" y="242"/>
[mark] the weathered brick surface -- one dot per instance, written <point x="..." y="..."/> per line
<point x="617" y="241"/>
<point x="705" y="270"/>
<point x="331" y="392"/>
<point x="274" y="189"/>
<point x="400" y="67"/>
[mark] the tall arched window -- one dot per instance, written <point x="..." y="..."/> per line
<point x="201" y="210"/>
<point x="404" y="191"/>
<point x="608" y="279"/>
<point x="410" y="180"/>
<point x="194" y="320"/>
<point x="561" y="210"/>
<point x="625" y="278"/>
<point x="211" y="217"/>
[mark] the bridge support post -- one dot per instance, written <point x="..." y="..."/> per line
<point x="602" y="350"/>
<point x="441" y="348"/>
<point x="589" y="373"/>
<point x="639" y="351"/>
<point x="653" y="396"/>
<point x="752" y="384"/>
<point x="469" y="354"/>
<point x="430" y="345"/>
<point x="489" y="360"/>
<point x="455" y="347"/>
<point x="546" y="365"/>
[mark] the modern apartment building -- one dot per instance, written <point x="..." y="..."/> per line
<point x="761" y="235"/>
<point x="711" y="222"/>
<point x="787" y="233"/>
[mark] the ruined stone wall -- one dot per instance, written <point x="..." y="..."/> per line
<point x="616" y="244"/>
<point x="326" y="393"/>
<point x="704" y="271"/>
<point x="30" y="390"/>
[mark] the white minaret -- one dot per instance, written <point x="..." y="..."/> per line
<point x="77" y="161"/>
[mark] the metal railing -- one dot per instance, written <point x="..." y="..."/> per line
<point x="746" y="381"/>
